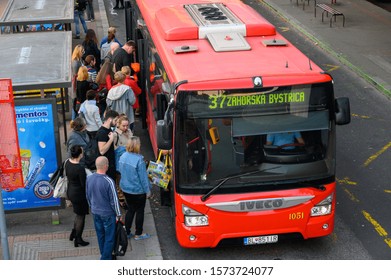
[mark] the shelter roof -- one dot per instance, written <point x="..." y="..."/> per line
<point x="37" y="60"/>
<point x="16" y="12"/>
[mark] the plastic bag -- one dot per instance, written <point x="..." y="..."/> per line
<point x="159" y="172"/>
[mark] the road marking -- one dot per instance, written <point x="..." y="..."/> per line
<point x="360" y="116"/>
<point x="346" y="181"/>
<point x="284" y="29"/>
<point x="351" y="195"/>
<point x="331" y="67"/>
<point x="387" y="191"/>
<point x="375" y="156"/>
<point x="380" y="230"/>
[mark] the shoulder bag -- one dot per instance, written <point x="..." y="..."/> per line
<point x="61" y="187"/>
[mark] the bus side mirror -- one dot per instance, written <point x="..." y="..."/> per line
<point x="164" y="135"/>
<point x="342" y="111"/>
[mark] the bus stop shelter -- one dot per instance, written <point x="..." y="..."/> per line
<point x="38" y="60"/>
<point x="26" y="12"/>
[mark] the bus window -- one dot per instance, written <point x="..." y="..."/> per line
<point x="157" y="85"/>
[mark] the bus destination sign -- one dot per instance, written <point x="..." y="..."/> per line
<point x="225" y="101"/>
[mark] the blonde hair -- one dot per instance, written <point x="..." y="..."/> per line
<point x="122" y="118"/>
<point x="112" y="30"/>
<point x="82" y="74"/>
<point x="125" y="70"/>
<point x="133" y="145"/>
<point x="78" y="52"/>
<point x="119" y="76"/>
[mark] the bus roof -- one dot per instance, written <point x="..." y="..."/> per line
<point x="227" y="48"/>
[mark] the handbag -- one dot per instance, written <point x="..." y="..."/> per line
<point x="159" y="172"/>
<point x="121" y="240"/>
<point x="61" y="186"/>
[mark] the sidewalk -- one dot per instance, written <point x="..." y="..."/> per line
<point x="32" y="236"/>
<point x="363" y="44"/>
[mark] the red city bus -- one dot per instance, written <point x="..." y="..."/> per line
<point x="251" y="122"/>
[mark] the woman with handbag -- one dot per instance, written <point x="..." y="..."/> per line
<point x="135" y="185"/>
<point x="76" y="193"/>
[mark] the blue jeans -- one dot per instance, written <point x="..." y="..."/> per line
<point x="105" y="232"/>
<point x="90" y="10"/>
<point x="79" y="15"/>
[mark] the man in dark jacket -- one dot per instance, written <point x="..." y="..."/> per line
<point x="124" y="56"/>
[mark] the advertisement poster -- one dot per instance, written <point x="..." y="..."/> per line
<point x="38" y="134"/>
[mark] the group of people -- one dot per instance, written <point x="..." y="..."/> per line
<point x="116" y="182"/>
<point x="108" y="70"/>
<point x="104" y="105"/>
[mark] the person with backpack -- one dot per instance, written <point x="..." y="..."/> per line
<point x="78" y="136"/>
<point x="105" y="140"/>
<point x="79" y="8"/>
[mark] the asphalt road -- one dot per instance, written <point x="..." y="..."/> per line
<point x="363" y="220"/>
<point x="359" y="187"/>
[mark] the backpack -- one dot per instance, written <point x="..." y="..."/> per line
<point x="91" y="153"/>
<point x="80" y="5"/>
<point x="121" y="240"/>
<point x="105" y="49"/>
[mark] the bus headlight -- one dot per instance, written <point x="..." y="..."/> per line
<point x="323" y="207"/>
<point x="194" y="218"/>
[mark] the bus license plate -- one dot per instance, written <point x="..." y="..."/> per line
<point x="260" y="239"/>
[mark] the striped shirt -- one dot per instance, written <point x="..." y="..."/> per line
<point x="102" y="195"/>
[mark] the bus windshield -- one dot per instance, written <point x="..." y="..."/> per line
<point x="284" y="131"/>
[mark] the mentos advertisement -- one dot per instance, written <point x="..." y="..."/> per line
<point x="38" y="134"/>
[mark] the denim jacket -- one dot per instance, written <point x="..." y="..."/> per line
<point x="134" y="178"/>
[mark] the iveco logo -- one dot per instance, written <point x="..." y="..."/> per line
<point x="260" y="204"/>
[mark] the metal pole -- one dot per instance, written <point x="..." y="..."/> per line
<point x="63" y="114"/>
<point x="3" y="228"/>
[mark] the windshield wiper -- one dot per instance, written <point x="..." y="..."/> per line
<point x="224" y="180"/>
